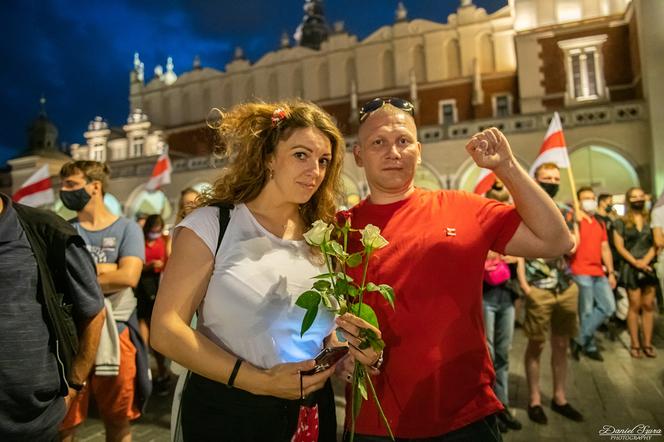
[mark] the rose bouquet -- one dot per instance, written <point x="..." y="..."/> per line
<point x="341" y="294"/>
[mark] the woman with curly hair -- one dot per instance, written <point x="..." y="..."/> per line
<point x="246" y="353"/>
<point x="634" y="242"/>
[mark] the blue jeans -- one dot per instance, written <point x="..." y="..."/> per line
<point x="499" y="329"/>
<point x="596" y="304"/>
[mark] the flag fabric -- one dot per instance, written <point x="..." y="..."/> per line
<point x="37" y="190"/>
<point x="554" y="148"/>
<point x="161" y="174"/>
<point x="485" y="181"/>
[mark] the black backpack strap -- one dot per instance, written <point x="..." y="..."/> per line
<point x="224" y="219"/>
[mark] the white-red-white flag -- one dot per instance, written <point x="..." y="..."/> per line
<point x="161" y="174"/>
<point x="485" y="181"/>
<point x="37" y="190"/>
<point x="554" y="148"/>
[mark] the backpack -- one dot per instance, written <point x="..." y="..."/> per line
<point x="49" y="235"/>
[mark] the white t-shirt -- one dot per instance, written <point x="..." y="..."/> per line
<point x="249" y="307"/>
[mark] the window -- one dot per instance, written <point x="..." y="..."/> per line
<point x="502" y="105"/>
<point x="447" y="112"/>
<point x="583" y="63"/>
<point x="97" y="152"/>
<point x="137" y="147"/>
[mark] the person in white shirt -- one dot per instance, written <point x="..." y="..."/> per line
<point x="283" y="173"/>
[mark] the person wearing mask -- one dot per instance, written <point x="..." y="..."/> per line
<point x="634" y="241"/>
<point x="187" y="203"/>
<point x="551" y="306"/>
<point x="246" y="354"/>
<point x="119" y="383"/>
<point x="156" y="255"/>
<point x="436" y="380"/>
<point x="596" y="301"/>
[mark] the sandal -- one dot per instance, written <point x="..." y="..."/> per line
<point x="649" y="351"/>
<point x="635" y="352"/>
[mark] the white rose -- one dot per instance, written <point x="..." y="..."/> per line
<point x="319" y="233"/>
<point x="371" y="238"/>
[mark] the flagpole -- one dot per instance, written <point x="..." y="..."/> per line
<point x="573" y="188"/>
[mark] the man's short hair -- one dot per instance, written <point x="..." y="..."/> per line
<point x="603" y="197"/>
<point x="546" y="166"/>
<point x="584" y="189"/>
<point x="91" y="170"/>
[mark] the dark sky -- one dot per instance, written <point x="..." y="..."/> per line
<point x="78" y="53"/>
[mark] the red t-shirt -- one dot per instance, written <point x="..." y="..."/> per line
<point x="156" y="251"/>
<point x="437" y="374"/>
<point x="588" y="257"/>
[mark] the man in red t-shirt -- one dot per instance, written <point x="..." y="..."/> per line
<point x="437" y="376"/>
<point x="596" y="301"/>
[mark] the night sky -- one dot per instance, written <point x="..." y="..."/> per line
<point x="78" y="54"/>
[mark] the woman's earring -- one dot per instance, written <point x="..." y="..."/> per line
<point x="271" y="174"/>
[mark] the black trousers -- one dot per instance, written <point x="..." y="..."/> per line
<point x="212" y="411"/>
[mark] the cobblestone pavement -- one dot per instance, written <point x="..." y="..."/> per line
<point x="621" y="391"/>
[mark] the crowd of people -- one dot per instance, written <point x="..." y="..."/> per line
<point x="216" y="295"/>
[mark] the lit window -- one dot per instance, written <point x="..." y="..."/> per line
<point x="447" y="112"/>
<point x="583" y="63"/>
<point x="137" y="147"/>
<point x="97" y="152"/>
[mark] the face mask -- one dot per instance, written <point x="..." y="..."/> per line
<point x="153" y="235"/>
<point x="75" y="200"/>
<point x="637" y="206"/>
<point x="550" y="188"/>
<point x="608" y="208"/>
<point x="589" y="205"/>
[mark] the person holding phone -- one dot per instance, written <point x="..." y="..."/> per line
<point x="246" y="354"/>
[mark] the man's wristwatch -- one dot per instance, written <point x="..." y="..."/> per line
<point x="78" y="387"/>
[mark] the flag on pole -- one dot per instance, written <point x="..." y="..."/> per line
<point x="37" y="190"/>
<point x="161" y="174"/>
<point x="554" y="149"/>
<point x="485" y="181"/>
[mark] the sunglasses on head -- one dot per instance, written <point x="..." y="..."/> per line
<point x="377" y="103"/>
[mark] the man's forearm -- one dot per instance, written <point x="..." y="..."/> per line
<point x="607" y="257"/>
<point x="537" y="210"/>
<point x="89" y="333"/>
<point x="116" y="280"/>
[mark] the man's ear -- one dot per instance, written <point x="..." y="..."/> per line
<point x="419" y="153"/>
<point x="96" y="187"/>
<point x="356" y="155"/>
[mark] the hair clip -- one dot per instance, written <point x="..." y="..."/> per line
<point x="278" y="116"/>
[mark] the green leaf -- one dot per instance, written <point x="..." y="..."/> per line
<point x="366" y="313"/>
<point x="370" y="339"/>
<point x="326" y="301"/>
<point x="322" y="285"/>
<point x="309" y="318"/>
<point x="371" y="287"/>
<point x="345" y="277"/>
<point x="362" y="386"/>
<point x="325" y="275"/>
<point x="354" y="260"/>
<point x="388" y="293"/>
<point x="308" y="299"/>
<point x="337" y="249"/>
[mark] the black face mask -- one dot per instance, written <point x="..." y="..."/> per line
<point x="608" y="208"/>
<point x="637" y="206"/>
<point x="75" y="200"/>
<point x="550" y="188"/>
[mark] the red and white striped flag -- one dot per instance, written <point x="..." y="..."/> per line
<point x="161" y="174"/>
<point x="37" y="190"/>
<point x="485" y="181"/>
<point x="554" y="148"/>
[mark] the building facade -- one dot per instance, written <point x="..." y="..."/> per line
<point x="596" y="62"/>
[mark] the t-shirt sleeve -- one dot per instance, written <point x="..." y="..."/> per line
<point x="133" y="242"/>
<point x="86" y="295"/>
<point x="619" y="226"/>
<point x="204" y="222"/>
<point x="498" y="221"/>
<point x="657" y="217"/>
